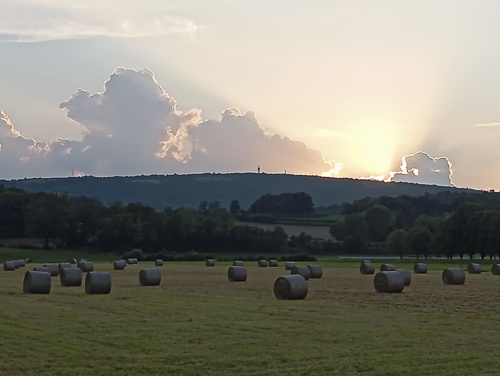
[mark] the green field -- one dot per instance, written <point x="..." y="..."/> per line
<point x="198" y="323"/>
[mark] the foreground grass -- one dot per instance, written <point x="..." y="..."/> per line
<point x="198" y="323"/>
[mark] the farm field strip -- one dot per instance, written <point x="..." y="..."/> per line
<point x="198" y="323"/>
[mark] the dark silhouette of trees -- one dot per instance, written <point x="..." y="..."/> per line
<point x="285" y="203"/>
<point x="394" y="244"/>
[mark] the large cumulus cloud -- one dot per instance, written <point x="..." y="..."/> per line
<point x="422" y="168"/>
<point x="134" y="127"/>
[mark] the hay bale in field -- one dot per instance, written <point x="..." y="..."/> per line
<point x="86" y="266"/>
<point x="420" y="268"/>
<point x="70" y="277"/>
<point x="20" y="263"/>
<point x="98" y="283"/>
<point x="132" y="261"/>
<point x="495" y="269"/>
<point x="73" y="261"/>
<point x="149" y="277"/>
<point x="158" y="262"/>
<point x="36" y="282"/>
<point x="28" y="260"/>
<point x="63" y="265"/>
<point x="304" y="271"/>
<point x="289" y="265"/>
<point x="209" y="262"/>
<point x="41" y="269"/>
<point x="474" y="268"/>
<point x="262" y="263"/>
<point x="316" y="271"/>
<point x="237" y="263"/>
<point x="119" y="264"/>
<point x="79" y="262"/>
<point x="290" y="287"/>
<point x="389" y="282"/>
<point x="237" y="274"/>
<point x="273" y="263"/>
<point x="406" y="276"/>
<point x="10" y="265"/>
<point x="387" y="268"/>
<point x="453" y="276"/>
<point x="367" y="267"/>
<point x="54" y="271"/>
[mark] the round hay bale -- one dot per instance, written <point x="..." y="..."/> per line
<point x="70" y="277"/>
<point x="78" y="263"/>
<point x="28" y="260"/>
<point x="73" y="261"/>
<point x="387" y="268"/>
<point x="86" y="266"/>
<point x="273" y="263"/>
<point x="158" y="262"/>
<point x="36" y="282"/>
<point x="289" y="265"/>
<point x="20" y="263"/>
<point x="495" y="269"/>
<point x="237" y="274"/>
<point x="210" y="262"/>
<point x="63" y="265"/>
<point x="119" y="264"/>
<point x="304" y="271"/>
<point x="453" y="276"/>
<point x="237" y="263"/>
<point x="474" y="268"/>
<point x="54" y="271"/>
<point x="149" y="277"/>
<point x="41" y="269"/>
<point x="316" y="271"/>
<point x="389" y="282"/>
<point x="367" y="268"/>
<point x="262" y="263"/>
<point x="98" y="283"/>
<point x="9" y="265"/>
<point x="290" y="287"/>
<point x="132" y="261"/>
<point x="420" y="268"/>
<point x="406" y="276"/>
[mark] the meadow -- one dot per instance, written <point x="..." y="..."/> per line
<point x="198" y="323"/>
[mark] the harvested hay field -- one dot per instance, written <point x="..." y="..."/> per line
<point x="198" y="323"/>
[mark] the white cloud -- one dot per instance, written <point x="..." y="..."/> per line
<point x="134" y="127"/>
<point x="35" y="21"/>
<point x="421" y="168"/>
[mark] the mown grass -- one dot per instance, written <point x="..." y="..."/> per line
<point x="198" y="323"/>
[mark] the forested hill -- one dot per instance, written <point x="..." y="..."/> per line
<point x="160" y="191"/>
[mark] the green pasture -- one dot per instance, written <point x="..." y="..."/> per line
<point x="198" y="323"/>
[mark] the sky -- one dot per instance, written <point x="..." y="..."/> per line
<point x="377" y="89"/>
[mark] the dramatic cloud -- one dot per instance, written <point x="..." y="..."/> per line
<point x="36" y="20"/>
<point x="134" y="127"/>
<point x="421" y="168"/>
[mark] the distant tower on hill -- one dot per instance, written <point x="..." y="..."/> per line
<point x="258" y="169"/>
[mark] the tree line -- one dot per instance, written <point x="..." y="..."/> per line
<point x="445" y="224"/>
<point x="81" y="222"/>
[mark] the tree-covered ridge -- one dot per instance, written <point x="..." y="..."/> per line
<point x="160" y="191"/>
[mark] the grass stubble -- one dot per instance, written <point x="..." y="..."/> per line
<point x="198" y="323"/>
